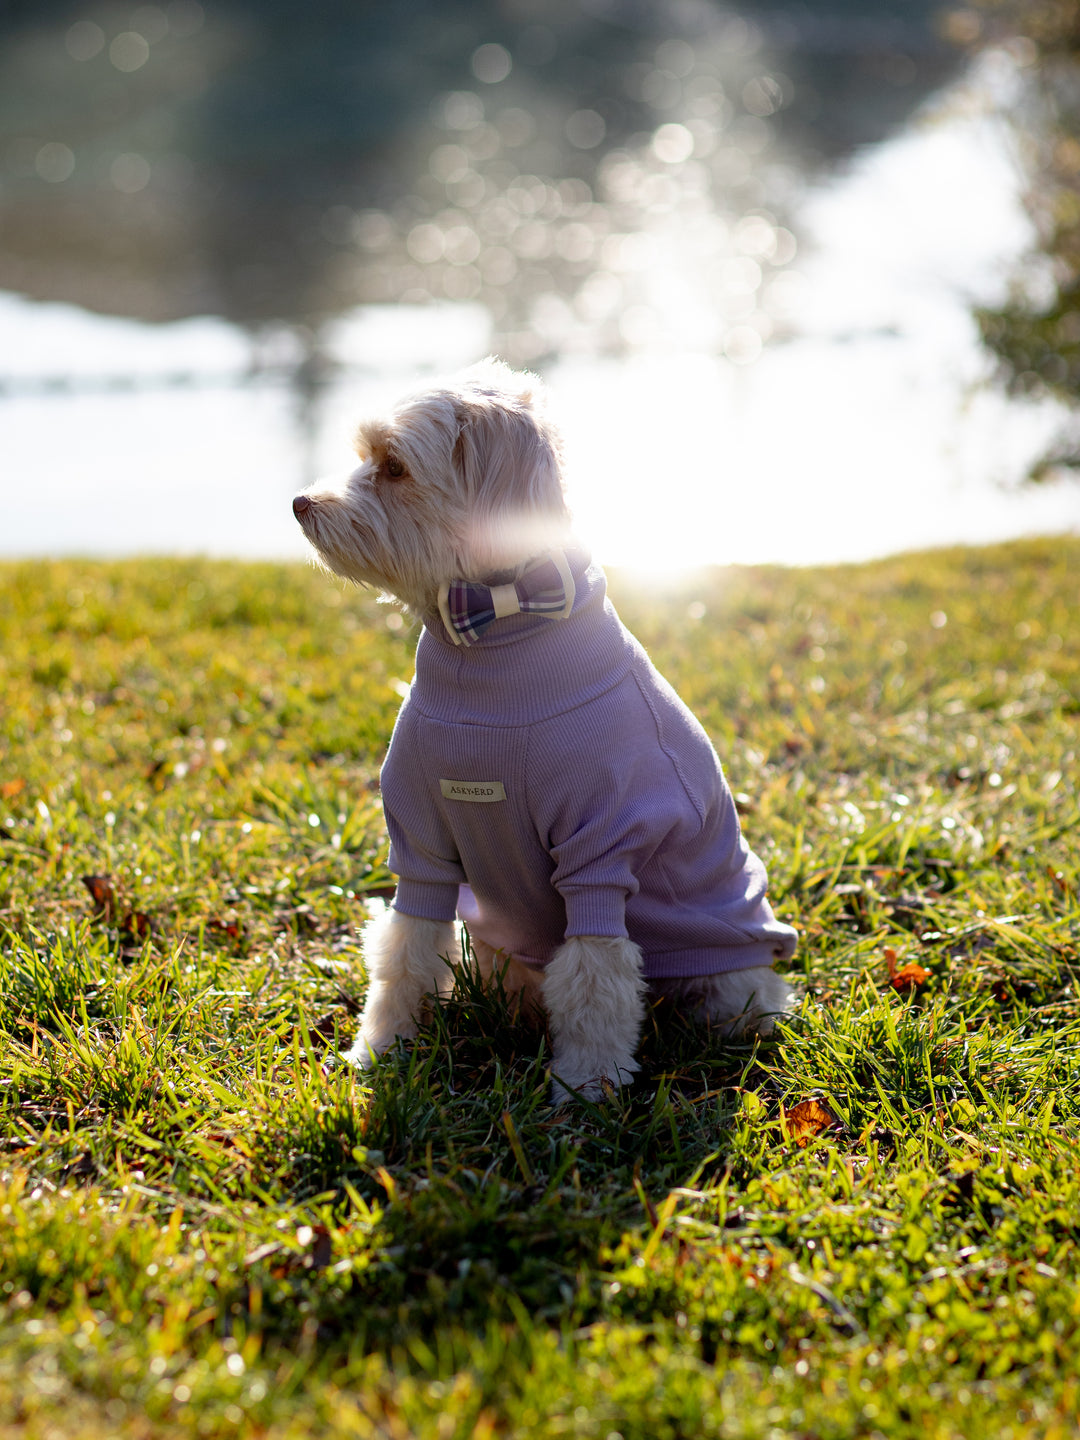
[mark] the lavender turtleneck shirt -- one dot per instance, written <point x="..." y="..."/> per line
<point x="545" y="782"/>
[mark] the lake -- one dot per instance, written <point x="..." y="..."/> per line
<point x="869" y="429"/>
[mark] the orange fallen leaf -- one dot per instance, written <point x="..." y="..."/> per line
<point x="906" y="977"/>
<point x="911" y="975"/>
<point x="11" y="788"/>
<point x="805" y="1120"/>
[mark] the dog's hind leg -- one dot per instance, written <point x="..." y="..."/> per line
<point x="732" y="1003"/>
<point x="407" y="960"/>
<point x="594" y="993"/>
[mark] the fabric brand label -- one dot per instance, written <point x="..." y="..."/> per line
<point x="478" y="792"/>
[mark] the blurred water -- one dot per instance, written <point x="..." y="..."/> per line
<point x="867" y="431"/>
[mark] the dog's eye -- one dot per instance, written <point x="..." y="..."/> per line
<point x="394" y="468"/>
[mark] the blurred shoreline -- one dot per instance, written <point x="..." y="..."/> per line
<point x="870" y="430"/>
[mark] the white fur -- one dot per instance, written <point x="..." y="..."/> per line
<point x="595" y="996"/>
<point x="480" y="489"/>
<point x="464" y="480"/>
<point x="734" y="1002"/>
<point x="407" y="960"/>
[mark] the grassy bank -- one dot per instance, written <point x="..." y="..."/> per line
<point x="209" y="1227"/>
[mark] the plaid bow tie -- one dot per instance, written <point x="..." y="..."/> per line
<point x="469" y="607"/>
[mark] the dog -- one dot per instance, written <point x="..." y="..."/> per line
<point x="544" y="785"/>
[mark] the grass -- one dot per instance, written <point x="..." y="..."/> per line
<point x="209" y="1226"/>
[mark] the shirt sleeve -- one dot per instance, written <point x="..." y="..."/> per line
<point x="604" y="819"/>
<point x="422" y="851"/>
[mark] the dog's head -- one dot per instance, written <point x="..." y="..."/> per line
<point x="462" y="480"/>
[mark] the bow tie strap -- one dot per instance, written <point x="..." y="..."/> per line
<point x="546" y="588"/>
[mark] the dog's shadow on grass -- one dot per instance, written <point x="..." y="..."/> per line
<point x="477" y="1082"/>
<point x="489" y="1197"/>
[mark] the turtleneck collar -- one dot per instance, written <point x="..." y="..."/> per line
<point x="524" y="667"/>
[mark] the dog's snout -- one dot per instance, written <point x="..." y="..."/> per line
<point x="300" y="505"/>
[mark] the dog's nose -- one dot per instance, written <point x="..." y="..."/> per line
<point x="300" y="504"/>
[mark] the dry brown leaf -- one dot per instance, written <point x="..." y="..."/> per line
<point x="807" y="1119"/>
<point x="102" y="893"/>
<point x="322" y="1250"/>
<point x="136" y="925"/>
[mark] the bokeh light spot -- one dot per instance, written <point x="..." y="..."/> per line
<point x="461" y="110"/>
<point x="130" y="173"/>
<point x="755" y="235"/>
<point x="462" y="245"/>
<point x="676" y="57"/>
<point x="673" y="144"/>
<point x="585" y="129"/>
<point x="575" y="242"/>
<point x="84" y="40"/>
<point x="425" y="244"/>
<point x="491" y="64"/>
<point x="372" y="230"/>
<point x="54" y="162"/>
<point x="763" y="96"/>
<point x="129" y="51"/>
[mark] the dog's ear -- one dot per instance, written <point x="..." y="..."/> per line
<point x="508" y="458"/>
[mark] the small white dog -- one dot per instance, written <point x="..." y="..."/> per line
<point x="544" y="785"/>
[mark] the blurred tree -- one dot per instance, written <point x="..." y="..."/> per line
<point x="599" y="173"/>
<point x="1035" y="334"/>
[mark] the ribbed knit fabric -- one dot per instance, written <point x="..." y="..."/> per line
<point x="546" y="782"/>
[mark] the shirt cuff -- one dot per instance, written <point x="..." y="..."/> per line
<point x="595" y="912"/>
<point x="427" y="900"/>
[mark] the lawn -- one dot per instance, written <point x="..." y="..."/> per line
<point x="211" y="1227"/>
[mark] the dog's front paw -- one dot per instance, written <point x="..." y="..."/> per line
<point x="385" y="1019"/>
<point x="377" y="1035"/>
<point x="589" y="1077"/>
<point x="594" y="994"/>
<point x="361" y="1055"/>
<point x="404" y="955"/>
